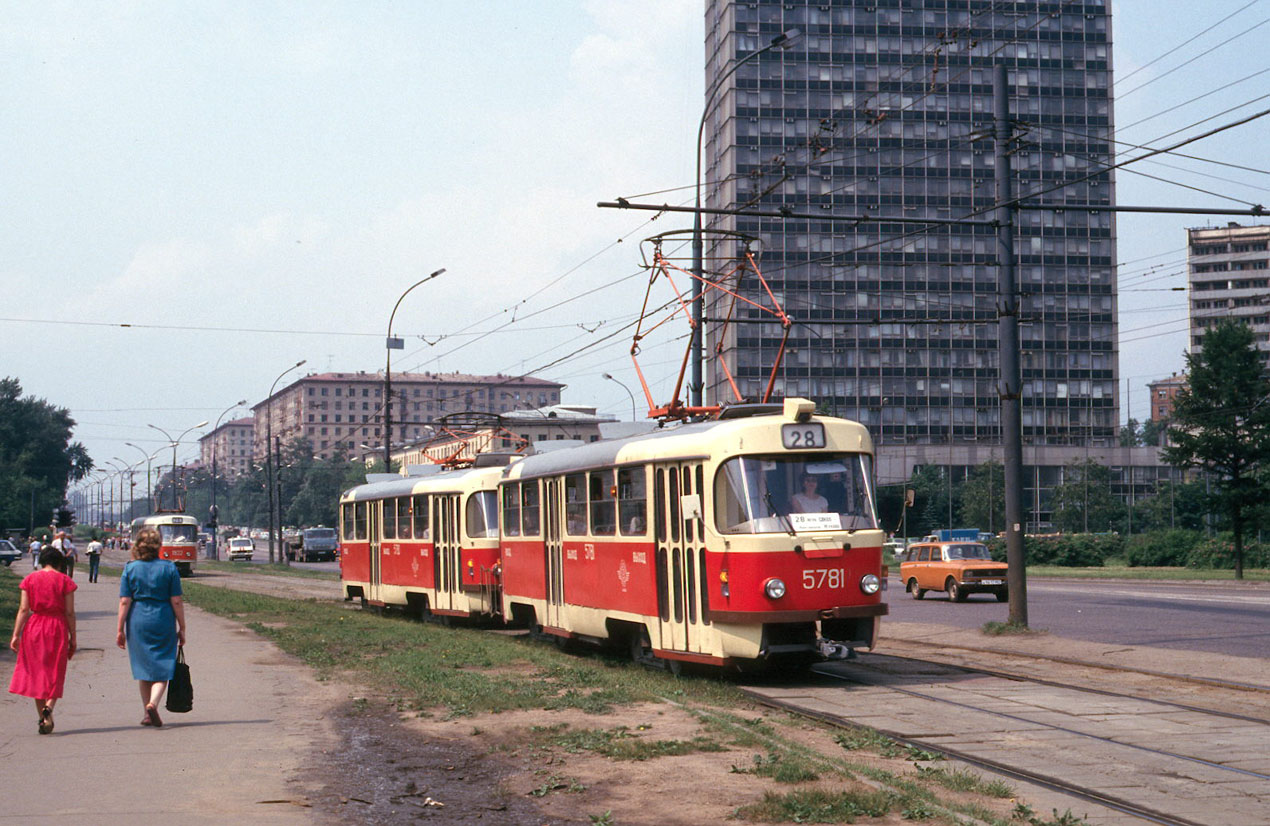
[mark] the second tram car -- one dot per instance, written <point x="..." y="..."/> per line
<point x="178" y="535"/>
<point x="742" y="542"/>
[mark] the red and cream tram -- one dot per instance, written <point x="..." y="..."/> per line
<point x="178" y="535"/>
<point x="747" y="540"/>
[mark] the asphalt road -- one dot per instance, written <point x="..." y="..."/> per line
<point x="261" y="557"/>
<point x="1222" y="618"/>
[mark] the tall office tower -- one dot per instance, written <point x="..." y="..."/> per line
<point x="885" y="107"/>
<point x="1230" y="274"/>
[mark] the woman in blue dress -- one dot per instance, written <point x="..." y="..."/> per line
<point x="151" y="620"/>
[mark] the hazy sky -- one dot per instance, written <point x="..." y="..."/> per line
<point x="252" y="183"/>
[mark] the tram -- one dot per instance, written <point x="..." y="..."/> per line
<point x="742" y="542"/>
<point x="178" y="536"/>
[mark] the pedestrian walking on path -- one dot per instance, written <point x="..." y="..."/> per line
<point x="94" y="559"/>
<point x="151" y="621"/>
<point x="35" y="554"/>
<point x="44" y="636"/>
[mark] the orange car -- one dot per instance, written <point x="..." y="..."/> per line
<point x="960" y="568"/>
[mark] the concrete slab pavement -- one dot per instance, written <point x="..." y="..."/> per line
<point x="250" y="751"/>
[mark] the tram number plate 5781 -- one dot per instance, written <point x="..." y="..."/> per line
<point x="805" y="435"/>
<point x="823" y="578"/>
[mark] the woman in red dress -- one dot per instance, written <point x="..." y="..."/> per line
<point x="44" y="636"/>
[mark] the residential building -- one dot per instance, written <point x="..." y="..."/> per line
<point x="1230" y="278"/>
<point x="512" y="431"/>
<point x="885" y="108"/>
<point x="232" y="444"/>
<point x="337" y="412"/>
<point x="1163" y="394"/>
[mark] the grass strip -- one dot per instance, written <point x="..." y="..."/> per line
<point x="266" y="569"/>
<point x="1166" y="574"/>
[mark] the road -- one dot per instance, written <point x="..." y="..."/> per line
<point x="1224" y="618"/>
<point x="261" y="557"/>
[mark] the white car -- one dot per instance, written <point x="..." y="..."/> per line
<point x="241" y="547"/>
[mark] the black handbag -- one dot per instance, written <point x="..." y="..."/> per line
<point x="180" y="689"/>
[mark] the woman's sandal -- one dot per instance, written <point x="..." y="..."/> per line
<point x="46" y="721"/>
<point x="152" y="717"/>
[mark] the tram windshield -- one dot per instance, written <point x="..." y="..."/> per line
<point x="783" y="493"/>
<point x="482" y="514"/>
<point x="178" y="533"/>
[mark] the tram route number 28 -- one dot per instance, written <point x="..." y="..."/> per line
<point x="824" y="578"/>
<point x="801" y="436"/>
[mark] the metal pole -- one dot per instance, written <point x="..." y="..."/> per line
<point x="277" y="463"/>
<point x="1010" y="384"/>
<point x="634" y="415"/>
<point x="395" y="344"/>
<point x="268" y="447"/>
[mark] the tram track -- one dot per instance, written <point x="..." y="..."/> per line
<point x="1030" y="742"/>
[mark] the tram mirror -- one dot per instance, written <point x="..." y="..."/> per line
<point x="690" y="504"/>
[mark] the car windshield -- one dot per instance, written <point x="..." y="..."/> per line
<point x="6" y="545"/>
<point x="788" y="493"/>
<point x="320" y="533"/>
<point x="240" y="543"/>
<point x="178" y="533"/>
<point x="967" y="551"/>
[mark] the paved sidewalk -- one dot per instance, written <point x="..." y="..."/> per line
<point x="258" y="721"/>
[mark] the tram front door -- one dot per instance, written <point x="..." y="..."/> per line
<point x="553" y="562"/>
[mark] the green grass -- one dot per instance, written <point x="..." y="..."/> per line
<point x="1224" y="574"/>
<point x="10" y="597"/>
<point x="819" y="806"/>
<point x="620" y="743"/>
<point x="1006" y="629"/>
<point x="781" y="767"/>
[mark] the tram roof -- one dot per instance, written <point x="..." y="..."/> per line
<point x="407" y="484"/>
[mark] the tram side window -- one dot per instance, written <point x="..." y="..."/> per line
<point x="420" y="516"/>
<point x="390" y="519"/>
<point x="346" y="522"/>
<point x="603" y="513"/>
<point x="359" y="519"/>
<point x="632" y="501"/>
<point x="511" y="509"/>
<point x="404" y="522"/>
<point x="575" y="504"/>
<point x="482" y="514"/>
<point x="529" y="507"/>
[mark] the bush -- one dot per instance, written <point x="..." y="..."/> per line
<point x="1074" y="550"/>
<point x="1161" y="548"/>
<point x="1219" y="552"/>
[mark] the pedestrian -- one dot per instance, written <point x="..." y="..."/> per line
<point x="151" y="621"/>
<point x="71" y="554"/>
<point x="44" y="636"/>
<point x="94" y="559"/>
<point x="35" y="553"/>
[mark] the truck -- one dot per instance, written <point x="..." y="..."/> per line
<point x="313" y="545"/>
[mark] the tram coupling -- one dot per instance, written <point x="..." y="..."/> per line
<point x="831" y="650"/>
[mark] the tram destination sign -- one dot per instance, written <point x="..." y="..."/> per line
<point x="803" y="435"/>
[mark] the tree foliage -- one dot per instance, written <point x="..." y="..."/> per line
<point x="37" y="458"/>
<point x="982" y="497"/>
<point x="1221" y="425"/>
<point x="1084" y="501"/>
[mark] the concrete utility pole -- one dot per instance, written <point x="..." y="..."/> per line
<point x="1009" y="386"/>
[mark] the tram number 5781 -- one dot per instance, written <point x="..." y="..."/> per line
<point x="824" y="578"/>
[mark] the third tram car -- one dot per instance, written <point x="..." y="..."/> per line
<point x="178" y="536"/>
<point x="743" y="541"/>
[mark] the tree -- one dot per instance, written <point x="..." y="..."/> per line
<point x="932" y="508"/>
<point x="1182" y="506"/>
<point x="38" y="460"/>
<point x="1221" y="424"/>
<point x="1084" y="503"/>
<point x="1130" y="434"/>
<point x="982" y="497"/>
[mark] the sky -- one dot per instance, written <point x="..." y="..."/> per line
<point x="199" y="195"/>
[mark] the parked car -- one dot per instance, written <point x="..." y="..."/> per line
<point x="241" y="547"/>
<point x="9" y="553"/>
<point x="959" y="568"/>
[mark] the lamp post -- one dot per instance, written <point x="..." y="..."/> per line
<point x="118" y="472"/>
<point x="609" y="376"/>
<point x="149" y="485"/>
<point x="175" y="501"/>
<point x="213" y="552"/>
<point x="391" y="344"/>
<point x="269" y="447"/>
<point x="784" y="40"/>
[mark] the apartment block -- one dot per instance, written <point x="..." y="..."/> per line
<point x="232" y="446"/>
<point x="1230" y="278"/>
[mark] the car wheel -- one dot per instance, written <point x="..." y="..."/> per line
<point x="955" y="591"/>
<point x="1003" y="595"/>
<point x="917" y="593"/>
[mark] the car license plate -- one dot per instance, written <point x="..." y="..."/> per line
<point x="989" y="582"/>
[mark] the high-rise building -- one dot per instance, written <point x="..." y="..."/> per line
<point x="886" y="108"/>
<point x="1230" y="278"/>
<point x="231" y="444"/>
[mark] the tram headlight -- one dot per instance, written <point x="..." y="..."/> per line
<point x="774" y="588"/>
<point x="870" y="584"/>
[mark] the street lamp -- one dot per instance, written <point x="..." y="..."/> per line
<point x="215" y="513"/>
<point x="784" y="40"/>
<point x="269" y="450"/>
<point x="391" y="344"/>
<point x="175" y="502"/>
<point x="634" y="415"/>
<point x="149" y="485"/>
<point x="118" y="472"/>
